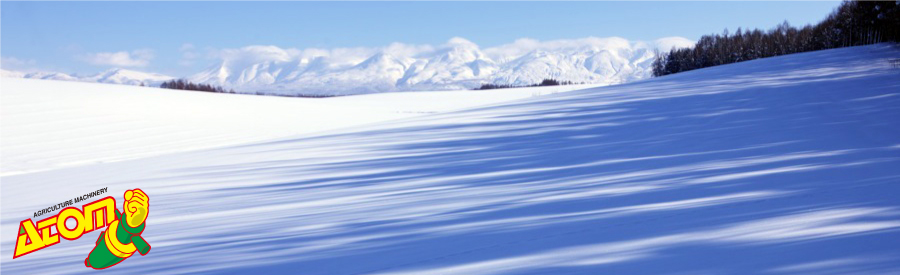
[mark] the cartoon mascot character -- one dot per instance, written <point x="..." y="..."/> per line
<point x="123" y="236"/>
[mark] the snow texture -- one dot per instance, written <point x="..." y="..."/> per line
<point x="52" y="124"/>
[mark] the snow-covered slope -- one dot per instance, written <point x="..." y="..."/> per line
<point x="785" y="165"/>
<point x="52" y="124"/>
<point x="112" y="76"/>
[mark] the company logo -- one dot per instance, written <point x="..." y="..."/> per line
<point x="120" y="240"/>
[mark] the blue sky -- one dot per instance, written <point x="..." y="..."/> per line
<point x="87" y="37"/>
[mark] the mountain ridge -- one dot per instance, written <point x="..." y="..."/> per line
<point x="457" y="65"/>
<point x="111" y="76"/>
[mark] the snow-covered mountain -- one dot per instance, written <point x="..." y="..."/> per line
<point x="112" y="76"/>
<point x="457" y="65"/>
<point x="123" y="76"/>
<point x="13" y="74"/>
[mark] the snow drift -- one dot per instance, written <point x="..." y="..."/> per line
<point x="52" y="124"/>
<point x="778" y="165"/>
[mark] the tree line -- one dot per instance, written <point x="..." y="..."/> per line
<point x="545" y="82"/>
<point x="853" y="23"/>
<point x="181" y="84"/>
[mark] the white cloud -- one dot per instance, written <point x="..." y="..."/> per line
<point x="12" y="63"/>
<point x="667" y="43"/>
<point x="187" y="47"/>
<point x="459" y="41"/>
<point x="136" y="58"/>
<point x="335" y="56"/>
<point x="341" y="56"/>
<point x="188" y="54"/>
<point x="400" y="49"/>
<point x="268" y="53"/>
<point x="526" y="45"/>
<point x="253" y="54"/>
<point x="351" y="56"/>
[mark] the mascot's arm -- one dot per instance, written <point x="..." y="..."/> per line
<point x="132" y="221"/>
<point x="128" y="234"/>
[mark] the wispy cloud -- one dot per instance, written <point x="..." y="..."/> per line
<point x="12" y="63"/>
<point x="525" y="45"/>
<point x="188" y="54"/>
<point x="270" y="53"/>
<point x="191" y="55"/>
<point x="136" y="58"/>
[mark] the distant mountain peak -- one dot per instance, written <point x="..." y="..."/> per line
<point x="457" y="64"/>
<point x="112" y="76"/>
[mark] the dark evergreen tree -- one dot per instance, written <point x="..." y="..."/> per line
<point x="545" y="82"/>
<point x="853" y="23"/>
<point x="181" y="84"/>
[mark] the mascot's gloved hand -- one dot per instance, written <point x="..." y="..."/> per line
<point x="136" y="207"/>
<point x="123" y="236"/>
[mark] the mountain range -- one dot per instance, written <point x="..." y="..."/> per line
<point x="112" y="76"/>
<point x="456" y="65"/>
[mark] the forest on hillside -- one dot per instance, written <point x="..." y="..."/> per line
<point x="181" y="84"/>
<point x="545" y="82"/>
<point x="853" y="23"/>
